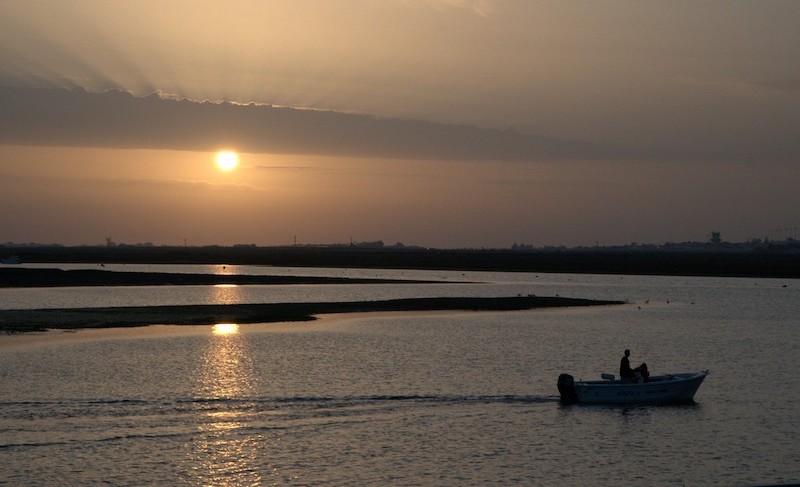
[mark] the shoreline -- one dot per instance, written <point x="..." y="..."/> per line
<point x="777" y="261"/>
<point x="17" y="277"/>
<point x="36" y="320"/>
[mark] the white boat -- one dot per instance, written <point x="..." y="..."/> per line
<point x="659" y="389"/>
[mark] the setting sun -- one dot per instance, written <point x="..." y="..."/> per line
<point x="226" y="160"/>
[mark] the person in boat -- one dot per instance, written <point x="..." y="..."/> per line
<point x="626" y="373"/>
<point x="641" y="373"/>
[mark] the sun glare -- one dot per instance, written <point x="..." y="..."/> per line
<point x="226" y="160"/>
<point x="225" y="329"/>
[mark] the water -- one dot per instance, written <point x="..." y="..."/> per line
<point x="409" y="399"/>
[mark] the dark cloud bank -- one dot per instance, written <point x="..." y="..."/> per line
<point x="61" y="117"/>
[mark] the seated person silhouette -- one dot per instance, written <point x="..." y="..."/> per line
<point x="626" y="373"/>
<point x="641" y="374"/>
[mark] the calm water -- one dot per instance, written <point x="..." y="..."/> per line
<point x="406" y="399"/>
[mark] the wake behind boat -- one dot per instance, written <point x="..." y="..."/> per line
<point x="678" y="388"/>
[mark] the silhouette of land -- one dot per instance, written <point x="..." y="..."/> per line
<point x="21" y="321"/>
<point x="701" y="261"/>
<point x="707" y="262"/>
<point x="25" y="277"/>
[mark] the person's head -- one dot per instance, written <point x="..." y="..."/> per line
<point x="627" y="352"/>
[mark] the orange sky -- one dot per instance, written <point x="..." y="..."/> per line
<point x="708" y="94"/>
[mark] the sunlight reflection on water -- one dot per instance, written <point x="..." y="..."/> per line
<point x="225" y="294"/>
<point x="218" y="455"/>
<point x="225" y="329"/>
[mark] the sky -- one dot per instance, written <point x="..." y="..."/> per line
<point x="441" y="123"/>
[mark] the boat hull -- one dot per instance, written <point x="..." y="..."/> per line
<point x="664" y="389"/>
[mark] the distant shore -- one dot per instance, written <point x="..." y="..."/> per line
<point x="25" y="277"/>
<point x="704" y="261"/>
<point x="23" y="321"/>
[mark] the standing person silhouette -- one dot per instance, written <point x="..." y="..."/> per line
<point x="626" y="373"/>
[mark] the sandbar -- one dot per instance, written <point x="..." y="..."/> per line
<point x="27" y="277"/>
<point x="23" y="321"/>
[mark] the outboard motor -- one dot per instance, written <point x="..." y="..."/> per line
<point x="566" y="387"/>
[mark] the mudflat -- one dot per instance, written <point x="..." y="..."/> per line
<point x="26" y="277"/>
<point x="22" y="321"/>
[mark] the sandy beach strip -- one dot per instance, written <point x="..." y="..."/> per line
<point x="26" y="277"/>
<point x="22" y="321"/>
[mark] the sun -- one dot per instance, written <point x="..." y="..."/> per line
<point x="226" y="160"/>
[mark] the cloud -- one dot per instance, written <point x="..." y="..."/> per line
<point x="786" y="85"/>
<point x="743" y="90"/>
<point x="481" y="8"/>
<point x="116" y="119"/>
<point x="173" y="182"/>
<point x="678" y="77"/>
<point x="264" y="167"/>
<point x="95" y="181"/>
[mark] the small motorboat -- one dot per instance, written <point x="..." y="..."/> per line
<point x="659" y="389"/>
